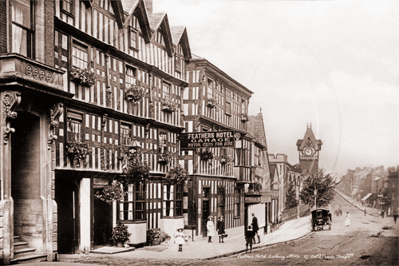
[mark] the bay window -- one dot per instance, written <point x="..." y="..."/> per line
<point x="132" y="208"/>
<point x="22" y="32"/>
<point x="172" y="200"/>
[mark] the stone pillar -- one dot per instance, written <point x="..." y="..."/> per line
<point x="85" y="213"/>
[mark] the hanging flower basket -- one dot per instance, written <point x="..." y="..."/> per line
<point x="206" y="155"/>
<point x="134" y="93"/>
<point x="211" y="102"/>
<point x="111" y="193"/>
<point x="77" y="151"/>
<point x="83" y="76"/>
<point x="254" y="188"/>
<point x="168" y="105"/>
<point x="177" y="175"/>
<point x="120" y="234"/>
<point x="166" y="157"/>
<point x="225" y="159"/>
<point x="137" y="170"/>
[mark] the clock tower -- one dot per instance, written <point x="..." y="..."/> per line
<point x="309" y="148"/>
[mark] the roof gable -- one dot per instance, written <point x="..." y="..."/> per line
<point x="137" y="7"/>
<point x="309" y="140"/>
<point x="159" y="21"/>
<point x="117" y="9"/>
<point x="256" y="128"/>
<point x="179" y="36"/>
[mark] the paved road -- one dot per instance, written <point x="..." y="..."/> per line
<point x="364" y="242"/>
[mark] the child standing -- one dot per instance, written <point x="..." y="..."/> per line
<point x="249" y="236"/>
<point x="179" y="238"/>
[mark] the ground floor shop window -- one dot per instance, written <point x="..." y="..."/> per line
<point x="132" y="208"/>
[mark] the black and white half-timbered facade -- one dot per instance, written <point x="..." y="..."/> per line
<point x="83" y="82"/>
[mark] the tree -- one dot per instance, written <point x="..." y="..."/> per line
<point x="291" y="201"/>
<point x="324" y="185"/>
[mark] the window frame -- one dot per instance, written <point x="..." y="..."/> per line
<point x="76" y="117"/>
<point x="162" y="142"/>
<point x="80" y="46"/>
<point x="171" y="202"/>
<point x="63" y="10"/>
<point x="133" y="32"/>
<point x="30" y="31"/>
<point x="122" y="132"/>
<point x="135" y="200"/>
<point x="166" y="93"/>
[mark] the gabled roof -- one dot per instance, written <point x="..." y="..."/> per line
<point x="117" y="6"/>
<point x="179" y="35"/>
<point x="137" y="7"/>
<point x="160" y="21"/>
<point x="309" y="136"/>
<point x="256" y="128"/>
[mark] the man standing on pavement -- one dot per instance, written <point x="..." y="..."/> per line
<point x="255" y="228"/>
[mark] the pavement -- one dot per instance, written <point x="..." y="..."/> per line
<point x="370" y="211"/>
<point x="200" y="248"/>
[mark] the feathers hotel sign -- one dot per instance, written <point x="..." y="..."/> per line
<point x="207" y="139"/>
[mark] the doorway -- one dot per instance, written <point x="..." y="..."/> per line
<point x="66" y="196"/>
<point x="102" y="227"/>
<point x="25" y="178"/>
<point x="205" y="210"/>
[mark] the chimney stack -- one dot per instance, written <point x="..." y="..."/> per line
<point x="148" y="5"/>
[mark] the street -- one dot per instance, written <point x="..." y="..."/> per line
<point x="369" y="240"/>
<point x="364" y="242"/>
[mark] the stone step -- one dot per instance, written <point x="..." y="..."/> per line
<point x="29" y="259"/>
<point x="16" y="238"/>
<point x="20" y="252"/>
<point x="20" y="244"/>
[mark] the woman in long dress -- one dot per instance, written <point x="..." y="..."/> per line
<point x="347" y="219"/>
<point x="210" y="227"/>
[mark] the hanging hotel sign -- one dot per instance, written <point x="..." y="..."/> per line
<point x="206" y="140"/>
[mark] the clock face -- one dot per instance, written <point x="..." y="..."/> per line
<point x="308" y="151"/>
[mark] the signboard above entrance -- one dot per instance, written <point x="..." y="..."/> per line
<point x="196" y="140"/>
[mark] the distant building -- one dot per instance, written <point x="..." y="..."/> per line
<point x="309" y="148"/>
<point x="393" y="188"/>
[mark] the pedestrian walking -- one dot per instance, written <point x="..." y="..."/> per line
<point x="255" y="228"/>
<point x="249" y="237"/>
<point x="382" y="214"/>
<point x="365" y="211"/>
<point x="180" y="238"/>
<point x="347" y="219"/>
<point x="395" y="215"/>
<point x="220" y="228"/>
<point x="210" y="227"/>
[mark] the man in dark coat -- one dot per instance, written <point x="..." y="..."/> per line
<point x="255" y="227"/>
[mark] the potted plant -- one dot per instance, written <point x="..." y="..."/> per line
<point x="206" y="155"/>
<point x="77" y="152"/>
<point x="168" y="105"/>
<point x="83" y="76"/>
<point x="177" y="175"/>
<point x="165" y="157"/>
<point x="110" y="193"/>
<point x="120" y="234"/>
<point x="225" y="159"/>
<point x="134" y="93"/>
<point x="211" y="102"/>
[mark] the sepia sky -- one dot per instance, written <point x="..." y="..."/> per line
<point x="334" y="64"/>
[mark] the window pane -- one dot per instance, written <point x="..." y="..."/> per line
<point x="21" y="12"/>
<point x="20" y="40"/>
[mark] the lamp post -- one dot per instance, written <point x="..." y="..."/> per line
<point x="297" y="197"/>
<point x="315" y="198"/>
